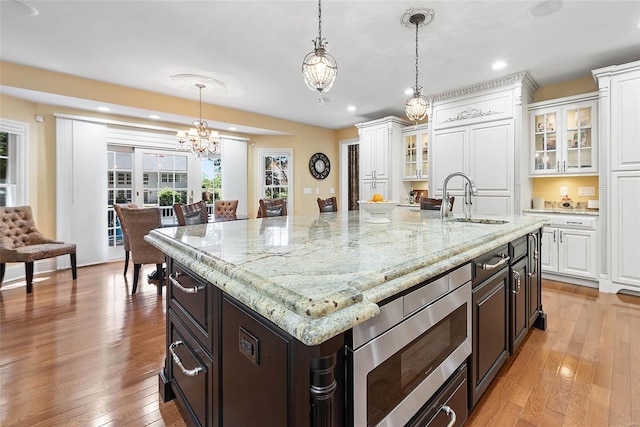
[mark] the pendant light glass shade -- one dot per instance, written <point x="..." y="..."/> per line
<point x="416" y="106"/>
<point x="319" y="69"/>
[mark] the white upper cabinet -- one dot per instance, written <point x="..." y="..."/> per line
<point x="564" y="136"/>
<point x="415" y="161"/>
<point x="379" y="154"/>
<point x="479" y="131"/>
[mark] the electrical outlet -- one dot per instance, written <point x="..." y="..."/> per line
<point x="307" y="191"/>
<point x="586" y="191"/>
<point x="563" y="191"/>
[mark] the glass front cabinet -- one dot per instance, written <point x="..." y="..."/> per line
<point x="416" y="153"/>
<point x="564" y="136"/>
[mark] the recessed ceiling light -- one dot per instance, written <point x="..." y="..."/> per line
<point x="408" y="91"/>
<point x="19" y="8"/>
<point x="233" y="128"/>
<point x="545" y="8"/>
<point x="499" y="65"/>
<point x="351" y="108"/>
<point x="154" y="116"/>
<point x="105" y="109"/>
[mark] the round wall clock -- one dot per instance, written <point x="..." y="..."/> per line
<point x="319" y="166"/>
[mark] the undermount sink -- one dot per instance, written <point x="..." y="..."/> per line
<point x="481" y="221"/>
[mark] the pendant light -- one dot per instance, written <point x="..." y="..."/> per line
<point x="319" y="69"/>
<point x="199" y="139"/>
<point x="416" y="106"/>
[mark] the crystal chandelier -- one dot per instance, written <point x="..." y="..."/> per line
<point x="416" y="106"/>
<point x="199" y="139"/>
<point x="319" y="69"/>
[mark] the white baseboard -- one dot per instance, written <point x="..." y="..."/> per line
<point x="16" y="272"/>
<point x="572" y="280"/>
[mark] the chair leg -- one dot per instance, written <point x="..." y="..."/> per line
<point x="136" y="276"/>
<point x="2" y="268"/>
<point x="161" y="279"/>
<point x="28" y="266"/>
<point x="126" y="262"/>
<point x="74" y="269"/>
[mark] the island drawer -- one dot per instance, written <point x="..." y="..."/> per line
<point x="192" y="300"/>
<point x="489" y="264"/>
<point x="192" y="373"/>
<point x="518" y="248"/>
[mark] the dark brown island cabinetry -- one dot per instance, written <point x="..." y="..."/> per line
<point x="507" y="303"/>
<point x="229" y="365"/>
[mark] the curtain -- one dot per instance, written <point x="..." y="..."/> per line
<point x="354" y="176"/>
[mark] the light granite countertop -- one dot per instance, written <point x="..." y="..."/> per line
<point x="567" y="211"/>
<point x="318" y="276"/>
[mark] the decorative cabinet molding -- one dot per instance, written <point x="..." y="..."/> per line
<point x="479" y="130"/>
<point x="564" y="136"/>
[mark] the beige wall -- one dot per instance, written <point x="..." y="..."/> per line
<point x="303" y="139"/>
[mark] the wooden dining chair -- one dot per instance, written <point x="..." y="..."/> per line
<point x="225" y="210"/>
<point x="191" y="214"/>
<point x="272" y="207"/>
<point x="327" y="205"/>
<point x="139" y="223"/>
<point x="125" y="233"/>
<point x="427" y="203"/>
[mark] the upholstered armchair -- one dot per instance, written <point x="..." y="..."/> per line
<point x="225" y="210"/>
<point x="20" y="241"/>
<point x="193" y="213"/>
<point x="125" y="232"/>
<point x="139" y="223"/>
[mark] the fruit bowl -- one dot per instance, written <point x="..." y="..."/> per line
<point x="378" y="211"/>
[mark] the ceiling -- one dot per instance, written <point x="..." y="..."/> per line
<point x="256" y="49"/>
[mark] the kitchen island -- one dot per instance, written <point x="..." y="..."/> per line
<point x="307" y="281"/>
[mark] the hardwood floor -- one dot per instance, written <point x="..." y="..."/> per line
<point x="88" y="353"/>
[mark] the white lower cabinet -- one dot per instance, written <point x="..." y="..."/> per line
<point x="571" y="252"/>
<point x="570" y="246"/>
<point x="625" y="228"/>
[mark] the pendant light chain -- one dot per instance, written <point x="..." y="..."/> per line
<point x="416" y="56"/>
<point x="320" y="21"/>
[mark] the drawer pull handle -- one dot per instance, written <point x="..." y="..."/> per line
<point x="575" y="222"/>
<point x="517" y="290"/>
<point x="452" y="415"/>
<point x="174" y="282"/>
<point x="188" y="372"/>
<point x="504" y="259"/>
<point x="534" y="269"/>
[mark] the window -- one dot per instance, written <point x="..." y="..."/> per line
<point x="13" y="165"/>
<point x="211" y="179"/>
<point x="120" y="190"/>
<point x="164" y="179"/>
<point x="277" y="175"/>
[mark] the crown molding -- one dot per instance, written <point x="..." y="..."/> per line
<point x="521" y="78"/>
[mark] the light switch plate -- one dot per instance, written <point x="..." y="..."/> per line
<point x="307" y="191"/>
<point x="563" y="191"/>
<point x="586" y="191"/>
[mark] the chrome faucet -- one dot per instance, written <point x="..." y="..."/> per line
<point x="469" y="190"/>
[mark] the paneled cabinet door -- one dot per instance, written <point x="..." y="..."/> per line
<point x="549" y="252"/>
<point x="416" y="154"/>
<point x="374" y="152"/>
<point x="577" y="253"/>
<point x="373" y="186"/>
<point x="518" y="313"/>
<point x="625" y="228"/>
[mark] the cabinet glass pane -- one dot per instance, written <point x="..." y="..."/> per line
<point x="410" y="155"/>
<point x="578" y="139"/>
<point x="424" y="161"/>
<point x="545" y="160"/>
